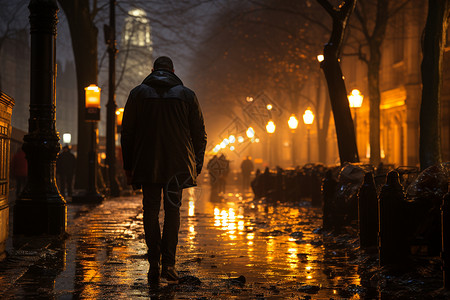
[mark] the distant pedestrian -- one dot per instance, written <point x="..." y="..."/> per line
<point x="224" y="170"/>
<point x="246" y="169"/>
<point x="163" y="146"/>
<point x="19" y="170"/>
<point x="65" y="169"/>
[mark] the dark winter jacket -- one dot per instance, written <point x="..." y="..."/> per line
<point x="163" y="133"/>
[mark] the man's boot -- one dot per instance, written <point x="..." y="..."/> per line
<point x="170" y="274"/>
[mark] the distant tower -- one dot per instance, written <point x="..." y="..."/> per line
<point x="135" y="53"/>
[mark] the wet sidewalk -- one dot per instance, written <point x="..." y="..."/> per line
<point x="229" y="247"/>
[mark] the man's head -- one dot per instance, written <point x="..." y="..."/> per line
<point x="163" y="63"/>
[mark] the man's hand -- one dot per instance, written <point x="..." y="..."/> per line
<point x="129" y="175"/>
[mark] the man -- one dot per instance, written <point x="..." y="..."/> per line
<point x="163" y="146"/>
<point x="65" y="168"/>
<point x="246" y="169"/>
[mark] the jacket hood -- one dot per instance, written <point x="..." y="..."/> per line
<point x="162" y="78"/>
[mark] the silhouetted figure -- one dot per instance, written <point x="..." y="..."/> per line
<point x="163" y="147"/>
<point x="256" y="184"/>
<point x="246" y="169"/>
<point x="65" y="168"/>
<point x="19" y="170"/>
<point x="224" y="170"/>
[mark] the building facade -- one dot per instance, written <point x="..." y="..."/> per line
<point x="401" y="91"/>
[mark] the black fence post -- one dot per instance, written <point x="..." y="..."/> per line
<point x="393" y="243"/>
<point x="445" y="254"/>
<point x="329" y="185"/>
<point x="368" y="212"/>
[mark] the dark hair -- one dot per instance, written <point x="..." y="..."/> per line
<point x="163" y="62"/>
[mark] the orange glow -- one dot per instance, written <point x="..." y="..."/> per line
<point x="119" y="114"/>
<point x="92" y="96"/>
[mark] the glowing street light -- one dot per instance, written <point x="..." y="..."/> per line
<point x="269" y="106"/>
<point x="92" y="115"/>
<point x="92" y="103"/>
<point x="308" y="119"/>
<point x="119" y="116"/>
<point x="355" y="100"/>
<point x="293" y="122"/>
<point x="67" y="138"/>
<point x="270" y="127"/>
<point x="320" y="58"/>
<point x="308" y="116"/>
<point x="250" y="132"/>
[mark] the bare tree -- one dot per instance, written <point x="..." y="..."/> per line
<point x="83" y="31"/>
<point x="433" y="48"/>
<point x="373" y="17"/>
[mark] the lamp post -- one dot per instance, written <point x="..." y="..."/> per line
<point x="308" y="119"/>
<point x="92" y="115"/>
<point x="110" y="38"/>
<point x="293" y="124"/>
<point x="270" y="128"/>
<point x="40" y="208"/>
<point x="355" y="100"/>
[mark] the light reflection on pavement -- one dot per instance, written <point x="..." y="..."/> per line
<point x="278" y="248"/>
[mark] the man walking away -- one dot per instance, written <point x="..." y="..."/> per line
<point x="163" y="146"/>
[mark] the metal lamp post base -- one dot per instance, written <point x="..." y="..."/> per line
<point x="40" y="216"/>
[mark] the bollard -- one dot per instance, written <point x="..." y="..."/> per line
<point x="329" y="185"/>
<point x="393" y="246"/>
<point x="368" y="212"/>
<point x="445" y="254"/>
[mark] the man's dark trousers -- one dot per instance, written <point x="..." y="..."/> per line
<point x="165" y="246"/>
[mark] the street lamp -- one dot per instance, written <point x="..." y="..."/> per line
<point x="270" y="128"/>
<point x="308" y="119"/>
<point x="119" y="117"/>
<point x="67" y="138"/>
<point x="355" y="100"/>
<point x="250" y="132"/>
<point x="92" y="115"/>
<point x="293" y="124"/>
<point x="320" y="58"/>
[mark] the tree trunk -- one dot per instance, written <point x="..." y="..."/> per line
<point x="433" y="48"/>
<point x="345" y="129"/>
<point x="323" y="128"/>
<point x="374" y="103"/>
<point x="84" y="43"/>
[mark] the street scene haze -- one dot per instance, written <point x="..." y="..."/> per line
<point x="224" y="149"/>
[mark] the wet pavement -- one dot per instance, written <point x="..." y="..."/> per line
<point x="230" y="247"/>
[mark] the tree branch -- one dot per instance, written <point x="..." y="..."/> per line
<point x="328" y="7"/>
